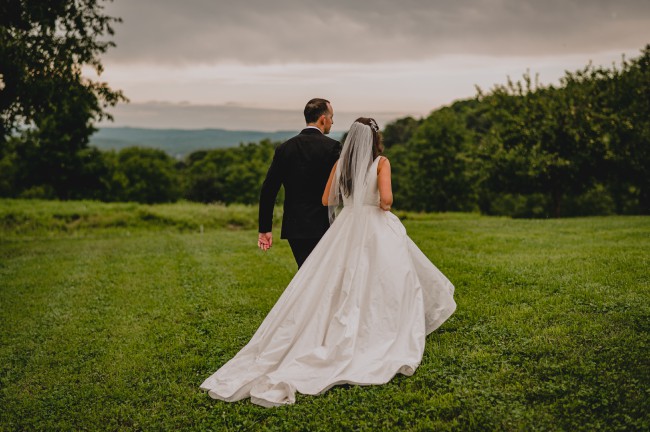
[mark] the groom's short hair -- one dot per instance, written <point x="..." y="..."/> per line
<point x="314" y="109"/>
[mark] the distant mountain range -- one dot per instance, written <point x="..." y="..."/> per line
<point x="181" y="142"/>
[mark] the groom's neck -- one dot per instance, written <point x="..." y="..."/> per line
<point x="315" y="126"/>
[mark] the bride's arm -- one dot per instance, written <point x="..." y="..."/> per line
<point x="326" y="194"/>
<point x="383" y="182"/>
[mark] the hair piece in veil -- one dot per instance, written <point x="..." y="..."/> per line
<point x="352" y="169"/>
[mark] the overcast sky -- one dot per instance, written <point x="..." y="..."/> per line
<point x="252" y="64"/>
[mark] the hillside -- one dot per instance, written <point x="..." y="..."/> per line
<point x="181" y="142"/>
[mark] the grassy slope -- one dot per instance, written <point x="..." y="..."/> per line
<point x="111" y="319"/>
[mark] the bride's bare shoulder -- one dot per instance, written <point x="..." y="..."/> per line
<point x="383" y="162"/>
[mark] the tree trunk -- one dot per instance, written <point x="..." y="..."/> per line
<point x="644" y="200"/>
<point x="557" y="201"/>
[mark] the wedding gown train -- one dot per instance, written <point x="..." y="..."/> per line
<point x="357" y="312"/>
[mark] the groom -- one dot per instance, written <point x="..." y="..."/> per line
<point x="302" y="165"/>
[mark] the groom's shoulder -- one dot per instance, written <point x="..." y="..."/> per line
<point x="336" y="145"/>
<point x="309" y="135"/>
<point x="332" y="141"/>
<point x="322" y="138"/>
<point x="289" y="142"/>
<point x="328" y="144"/>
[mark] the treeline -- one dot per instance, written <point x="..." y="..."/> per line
<point x="526" y="150"/>
<point x="520" y="149"/>
<point x="145" y="175"/>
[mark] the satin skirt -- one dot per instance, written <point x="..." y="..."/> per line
<point x="356" y="312"/>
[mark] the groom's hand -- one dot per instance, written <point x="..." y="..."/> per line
<point x="264" y="241"/>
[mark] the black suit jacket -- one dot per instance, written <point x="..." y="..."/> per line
<point x="302" y="165"/>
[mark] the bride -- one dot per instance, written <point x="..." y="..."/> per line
<point x="359" y="308"/>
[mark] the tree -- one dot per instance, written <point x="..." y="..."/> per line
<point x="44" y="44"/>
<point x="628" y="94"/>
<point x="204" y="175"/>
<point x="228" y="175"/>
<point x="400" y="131"/>
<point x="146" y="175"/>
<point x="546" y="140"/>
<point x="244" y="178"/>
<point x="430" y="172"/>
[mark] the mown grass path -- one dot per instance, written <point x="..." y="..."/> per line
<point x="115" y="328"/>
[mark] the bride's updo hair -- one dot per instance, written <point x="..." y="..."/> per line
<point x="358" y="153"/>
<point x="377" y="144"/>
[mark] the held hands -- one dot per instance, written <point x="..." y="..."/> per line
<point x="264" y="241"/>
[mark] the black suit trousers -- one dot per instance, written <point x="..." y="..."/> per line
<point x="301" y="248"/>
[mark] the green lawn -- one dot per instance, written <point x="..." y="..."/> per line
<point x="111" y="315"/>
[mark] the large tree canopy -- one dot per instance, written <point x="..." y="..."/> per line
<point x="44" y="44"/>
<point x="47" y="106"/>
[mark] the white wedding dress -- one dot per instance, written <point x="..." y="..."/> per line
<point x="356" y="312"/>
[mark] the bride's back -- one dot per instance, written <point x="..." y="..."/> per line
<point x="370" y="189"/>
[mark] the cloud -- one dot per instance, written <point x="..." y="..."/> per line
<point x="342" y="31"/>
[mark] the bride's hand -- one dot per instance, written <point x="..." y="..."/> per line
<point x="384" y="207"/>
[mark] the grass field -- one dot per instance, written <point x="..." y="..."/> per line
<point x="111" y="315"/>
